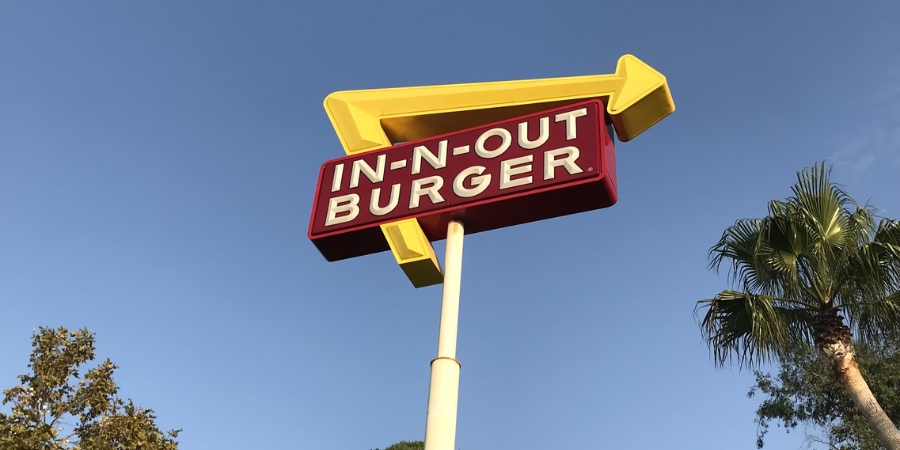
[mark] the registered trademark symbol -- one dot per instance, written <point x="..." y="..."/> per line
<point x="590" y="169"/>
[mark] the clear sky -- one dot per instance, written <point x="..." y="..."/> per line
<point x="158" y="161"/>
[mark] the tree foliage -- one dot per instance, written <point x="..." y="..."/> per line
<point x="806" y="392"/>
<point x="59" y="406"/>
<point x="407" y="445"/>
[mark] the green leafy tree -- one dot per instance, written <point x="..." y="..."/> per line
<point x="805" y="391"/>
<point x="817" y="258"/>
<point x="56" y="408"/>
<point x="407" y="445"/>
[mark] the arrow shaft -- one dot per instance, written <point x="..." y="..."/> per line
<point x="393" y="102"/>
<point x="406" y="114"/>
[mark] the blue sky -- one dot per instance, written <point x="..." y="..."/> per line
<point x="158" y="161"/>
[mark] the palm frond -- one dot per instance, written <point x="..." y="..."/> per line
<point x="861" y="226"/>
<point x="873" y="321"/>
<point x="780" y="250"/>
<point x="873" y="271"/>
<point x="795" y="234"/>
<point x="820" y="204"/>
<point x="762" y="256"/>
<point x="887" y="238"/>
<point x="753" y="328"/>
<point x="738" y="245"/>
<point x="871" y="294"/>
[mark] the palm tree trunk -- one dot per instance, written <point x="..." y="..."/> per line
<point x="850" y="377"/>
<point x="834" y="341"/>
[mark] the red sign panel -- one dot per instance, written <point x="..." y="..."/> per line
<point x="534" y="167"/>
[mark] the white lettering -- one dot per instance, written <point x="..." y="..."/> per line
<point x="542" y="137"/>
<point x="438" y="161"/>
<point x="508" y="169"/>
<point x="361" y="166"/>
<point x="569" y="117"/>
<point x="376" y="196"/>
<point x="504" y="144"/>
<point x="426" y="186"/>
<point x="460" y="150"/>
<point x="480" y="182"/>
<point x="338" y="177"/>
<point x="344" y="204"/>
<point x="551" y="163"/>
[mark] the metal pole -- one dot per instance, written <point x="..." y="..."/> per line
<point x="443" y="392"/>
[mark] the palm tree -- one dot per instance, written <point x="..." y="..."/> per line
<point x="816" y="259"/>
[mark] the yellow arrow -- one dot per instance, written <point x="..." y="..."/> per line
<point x="637" y="96"/>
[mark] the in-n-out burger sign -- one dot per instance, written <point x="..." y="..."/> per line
<point x="535" y="167"/>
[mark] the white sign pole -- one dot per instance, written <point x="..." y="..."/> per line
<point x="443" y="392"/>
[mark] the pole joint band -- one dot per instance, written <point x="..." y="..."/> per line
<point x="445" y="357"/>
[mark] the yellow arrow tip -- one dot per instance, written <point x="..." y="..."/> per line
<point x="643" y="100"/>
<point x="640" y="81"/>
